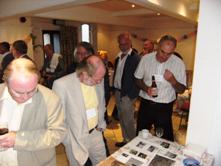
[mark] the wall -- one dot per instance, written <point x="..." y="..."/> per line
<point x="204" y="119"/>
<point x="12" y="30"/>
<point x="107" y="40"/>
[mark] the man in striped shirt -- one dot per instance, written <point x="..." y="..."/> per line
<point x="170" y="77"/>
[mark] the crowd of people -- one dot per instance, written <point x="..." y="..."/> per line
<point x="69" y="105"/>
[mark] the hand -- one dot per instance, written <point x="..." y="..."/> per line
<point x="151" y="91"/>
<point x="99" y="129"/>
<point x="8" y="140"/>
<point x="168" y="75"/>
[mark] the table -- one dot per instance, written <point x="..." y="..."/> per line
<point x="152" y="151"/>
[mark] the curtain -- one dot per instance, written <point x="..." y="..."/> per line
<point x="69" y="39"/>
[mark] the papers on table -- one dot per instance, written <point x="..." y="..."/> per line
<point x="152" y="151"/>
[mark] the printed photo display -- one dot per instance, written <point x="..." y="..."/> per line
<point x="141" y="152"/>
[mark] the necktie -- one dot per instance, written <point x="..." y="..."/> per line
<point x="122" y="56"/>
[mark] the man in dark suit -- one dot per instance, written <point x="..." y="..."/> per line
<point x="7" y="57"/>
<point x="126" y="90"/>
<point x="20" y="49"/>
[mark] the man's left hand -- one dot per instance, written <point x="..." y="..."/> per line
<point x="8" y="140"/>
<point x="99" y="129"/>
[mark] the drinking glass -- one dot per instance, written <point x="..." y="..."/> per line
<point x="159" y="132"/>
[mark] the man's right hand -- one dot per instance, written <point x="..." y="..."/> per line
<point x="8" y="140"/>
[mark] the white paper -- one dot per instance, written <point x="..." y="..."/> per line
<point x="159" y="78"/>
<point x="141" y="152"/>
<point x="91" y="113"/>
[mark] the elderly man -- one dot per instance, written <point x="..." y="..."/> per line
<point x="34" y="117"/>
<point x="53" y="67"/>
<point x="148" y="47"/>
<point x="126" y="90"/>
<point x="82" y="50"/>
<point x="170" y="78"/>
<point x="82" y="95"/>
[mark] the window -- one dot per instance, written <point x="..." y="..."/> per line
<point x="85" y="32"/>
<point x="53" y="38"/>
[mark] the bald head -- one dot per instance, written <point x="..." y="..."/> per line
<point x="21" y="77"/>
<point x="124" y="41"/>
<point x="20" y="67"/>
<point x="91" y="70"/>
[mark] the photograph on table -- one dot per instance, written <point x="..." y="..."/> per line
<point x="132" y="151"/>
<point x="134" y="162"/>
<point x="170" y="155"/>
<point x="152" y="148"/>
<point x="161" y="161"/>
<point x="124" y="154"/>
<point x="142" y="155"/>
<point x="165" y="145"/>
<point x="141" y="144"/>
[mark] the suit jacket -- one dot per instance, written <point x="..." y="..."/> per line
<point x="6" y="60"/>
<point x="69" y="90"/>
<point x="128" y="85"/>
<point x="42" y="128"/>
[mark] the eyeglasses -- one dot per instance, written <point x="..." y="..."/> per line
<point x="20" y="94"/>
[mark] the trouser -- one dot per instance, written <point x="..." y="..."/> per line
<point x="96" y="150"/>
<point x="125" y="107"/>
<point x="157" y="114"/>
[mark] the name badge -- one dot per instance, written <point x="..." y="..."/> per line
<point x="91" y="113"/>
<point x="159" y="78"/>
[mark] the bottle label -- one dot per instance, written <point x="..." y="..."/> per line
<point x="154" y="92"/>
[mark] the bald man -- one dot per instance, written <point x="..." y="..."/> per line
<point x="82" y="95"/>
<point x="34" y="117"/>
<point x="148" y="47"/>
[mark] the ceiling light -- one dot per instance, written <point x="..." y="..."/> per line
<point x="158" y="14"/>
<point x="133" y="6"/>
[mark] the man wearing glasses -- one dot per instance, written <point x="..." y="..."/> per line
<point x="34" y="117"/>
<point x="82" y="95"/>
<point x="170" y="77"/>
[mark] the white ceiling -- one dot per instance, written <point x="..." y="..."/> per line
<point x="179" y="12"/>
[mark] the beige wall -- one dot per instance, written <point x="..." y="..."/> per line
<point x="12" y="30"/>
<point x="107" y="40"/>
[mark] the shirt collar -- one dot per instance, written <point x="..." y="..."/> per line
<point x="6" y="53"/>
<point x="128" y="52"/>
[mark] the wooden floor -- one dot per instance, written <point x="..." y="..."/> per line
<point x="113" y="133"/>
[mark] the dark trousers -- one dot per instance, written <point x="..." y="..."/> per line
<point x="157" y="114"/>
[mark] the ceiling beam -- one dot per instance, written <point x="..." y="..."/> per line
<point x="132" y="12"/>
<point x="12" y="8"/>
